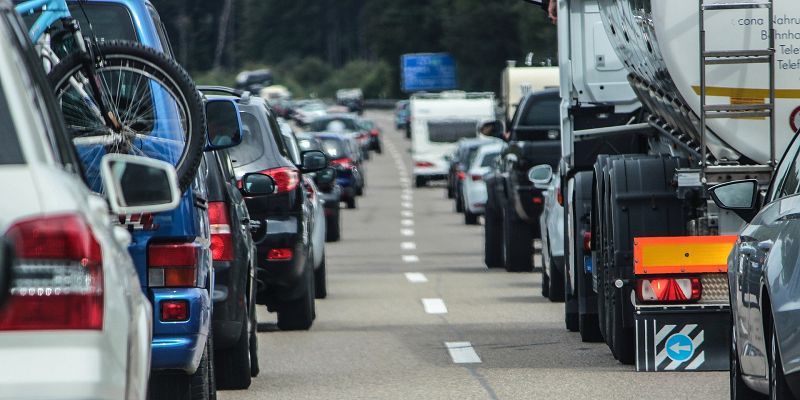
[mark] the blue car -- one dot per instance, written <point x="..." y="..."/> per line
<point x="344" y="158"/>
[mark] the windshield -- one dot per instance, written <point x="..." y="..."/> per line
<point x="451" y="131"/>
<point x="252" y="146"/>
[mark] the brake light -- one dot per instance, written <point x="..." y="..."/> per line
<point x="460" y="175"/>
<point x="286" y="178"/>
<point x="476" y="177"/>
<point x="174" y="310"/>
<point x="668" y="289"/>
<point x="345" y="163"/>
<point x="221" y="238"/>
<point x="280" y="254"/>
<point x="559" y="196"/>
<point x="423" y="164"/>
<point x="172" y="264"/>
<point x="58" y="277"/>
<point x="537" y="200"/>
<point x="374" y="133"/>
<point x="587" y="241"/>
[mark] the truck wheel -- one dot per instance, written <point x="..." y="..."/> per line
<point x="232" y="366"/>
<point x="180" y="386"/>
<point x="470" y="218"/>
<point x="492" y="239"/>
<point x="420" y="181"/>
<point x="517" y="244"/>
<point x="581" y="203"/>
<point x="321" y="281"/>
<point x="298" y="314"/>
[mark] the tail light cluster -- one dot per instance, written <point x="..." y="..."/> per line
<point x="460" y="175"/>
<point x="423" y="164"/>
<point x="58" y="276"/>
<point x="343" y="163"/>
<point x="221" y="238"/>
<point x="172" y="264"/>
<point x="476" y="178"/>
<point x="668" y="290"/>
<point x="374" y="133"/>
<point x="280" y="254"/>
<point x="286" y="178"/>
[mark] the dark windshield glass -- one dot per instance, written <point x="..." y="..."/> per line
<point x="10" y="152"/>
<point x="333" y="148"/>
<point x="252" y="146"/>
<point x="322" y="124"/>
<point x="541" y="112"/>
<point x="489" y="159"/>
<point x="451" y="131"/>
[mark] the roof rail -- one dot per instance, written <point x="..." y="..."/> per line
<point x="242" y="94"/>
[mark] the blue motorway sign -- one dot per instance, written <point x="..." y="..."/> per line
<point x="679" y="347"/>
<point x="428" y="72"/>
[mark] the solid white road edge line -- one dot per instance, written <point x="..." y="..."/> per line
<point x="416" y="277"/>
<point x="462" y="353"/>
<point x="410" y="258"/>
<point x="434" y="306"/>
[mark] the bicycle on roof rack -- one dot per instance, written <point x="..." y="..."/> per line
<point x="117" y="96"/>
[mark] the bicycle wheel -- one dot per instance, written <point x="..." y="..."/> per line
<point x="158" y="109"/>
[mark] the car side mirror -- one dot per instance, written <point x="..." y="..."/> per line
<point x="223" y="124"/>
<point x="540" y="176"/>
<point x="493" y="128"/>
<point x="257" y="184"/>
<point x="325" y="177"/>
<point x="741" y="197"/>
<point x="6" y="271"/>
<point x="313" y="161"/>
<point x="136" y="185"/>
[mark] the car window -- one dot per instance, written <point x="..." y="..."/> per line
<point x="451" y="131"/>
<point x="786" y="174"/>
<point x="161" y="31"/>
<point x="489" y="159"/>
<point x="790" y="184"/>
<point x="275" y="130"/>
<point x="294" y="150"/>
<point x="334" y="148"/>
<point x="252" y="146"/>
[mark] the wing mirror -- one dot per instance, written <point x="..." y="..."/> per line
<point x="493" y="128"/>
<point x="257" y="184"/>
<point x="136" y="185"/>
<point x="325" y="177"/>
<point x="223" y="124"/>
<point x="540" y="176"/>
<point x="6" y="271"/>
<point x="741" y="197"/>
<point x="313" y="161"/>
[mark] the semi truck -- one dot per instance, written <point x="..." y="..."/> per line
<point x="716" y="99"/>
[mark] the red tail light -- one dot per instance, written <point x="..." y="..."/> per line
<point x="587" y="241"/>
<point x="286" y="178"/>
<point x="221" y="238"/>
<point x="172" y="264"/>
<point x="174" y="310"/>
<point x="280" y="254"/>
<point x="460" y="175"/>
<point x="476" y="177"/>
<point x="537" y="200"/>
<point x="58" y="278"/>
<point x="374" y="133"/>
<point x="559" y="196"/>
<point x="345" y="163"/>
<point x="423" y="164"/>
<point x="658" y="290"/>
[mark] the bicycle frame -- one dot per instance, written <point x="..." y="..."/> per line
<point x="52" y="12"/>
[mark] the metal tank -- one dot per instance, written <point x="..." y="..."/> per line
<point x="659" y="43"/>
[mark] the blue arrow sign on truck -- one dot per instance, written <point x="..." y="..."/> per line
<point x="428" y="72"/>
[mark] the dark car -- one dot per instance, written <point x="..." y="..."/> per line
<point x="374" y="132"/>
<point x="764" y="295"/>
<point x="344" y="123"/>
<point x="353" y="99"/>
<point x="233" y="255"/>
<point x="401" y="115"/>
<point x="284" y="271"/>
<point x="345" y="160"/>
<point x="329" y="189"/>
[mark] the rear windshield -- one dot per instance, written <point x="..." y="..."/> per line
<point x="489" y="159"/>
<point x="252" y="146"/>
<point x="322" y="124"/>
<point x="307" y="144"/>
<point x="10" y="151"/>
<point x="334" y="148"/>
<point x="109" y="22"/>
<point x="451" y="131"/>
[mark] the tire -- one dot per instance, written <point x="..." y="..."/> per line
<point x="492" y="240"/>
<point x="180" y="386"/>
<point x="255" y="369"/>
<point x="739" y="389"/>
<point x="128" y="56"/>
<point x="298" y="314"/>
<point x="517" y="244"/>
<point x="545" y="285"/>
<point x="586" y="297"/>
<point x="420" y="181"/>
<point x="351" y="203"/>
<point x="360" y="191"/>
<point x="571" y="315"/>
<point x="233" y="365"/>
<point x="321" y="281"/>
<point x="778" y="387"/>
<point x="332" y="228"/>
<point x="556" y="280"/>
<point x="589" y="328"/>
<point x="212" y="373"/>
<point x="450" y="192"/>
<point x="459" y="200"/>
<point x="470" y="218"/>
<point x="623" y="343"/>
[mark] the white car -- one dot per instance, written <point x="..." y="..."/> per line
<point x="551" y="223"/>
<point x="473" y="186"/>
<point x="77" y="324"/>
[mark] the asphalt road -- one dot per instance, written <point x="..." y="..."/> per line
<point x="494" y="336"/>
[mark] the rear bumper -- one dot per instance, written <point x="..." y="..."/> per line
<point x="281" y="276"/>
<point x="180" y="345"/>
<point x="60" y="365"/>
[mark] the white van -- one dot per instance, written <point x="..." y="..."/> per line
<point x="438" y="121"/>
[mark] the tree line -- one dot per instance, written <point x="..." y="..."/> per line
<point x="314" y="46"/>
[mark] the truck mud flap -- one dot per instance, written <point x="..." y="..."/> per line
<point x="690" y="338"/>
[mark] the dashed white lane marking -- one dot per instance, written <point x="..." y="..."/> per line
<point x="406" y="197"/>
<point x="410" y="258"/>
<point x="407" y="204"/>
<point x="462" y="353"/>
<point x="434" y="306"/>
<point x="408" y="246"/>
<point x="407" y="213"/>
<point x="407" y="232"/>
<point x="416" y="277"/>
<point x="407" y="222"/>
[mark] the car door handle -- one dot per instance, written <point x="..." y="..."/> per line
<point x="765" y="246"/>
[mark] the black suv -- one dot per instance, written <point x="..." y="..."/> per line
<point x="279" y="220"/>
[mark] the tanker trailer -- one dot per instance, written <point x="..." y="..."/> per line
<point x="720" y="94"/>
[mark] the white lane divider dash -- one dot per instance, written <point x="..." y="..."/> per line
<point x="408" y="246"/>
<point x="410" y="258"/>
<point x="407" y="204"/>
<point x="407" y="232"/>
<point x="434" y="306"/>
<point x="406" y="197"/>
<point x="407" y="222"/>
<point x="407" y="213"/>
<point x="462" y="353"/>
<point x="416" y="277"/>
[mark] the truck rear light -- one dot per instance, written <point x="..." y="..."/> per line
<point x="661" y="290"/>
<point x="172" y="265"/>
<point x="221" y="238"/>
<point x="423" y="164"/>
<point x="476" y="177"/>
<point x="58" y="277"/>
<point x="174" y="310"/>
<point x="280" y="254"/>
<point x="460" y="175"/>
<point x="587" y="241"/>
